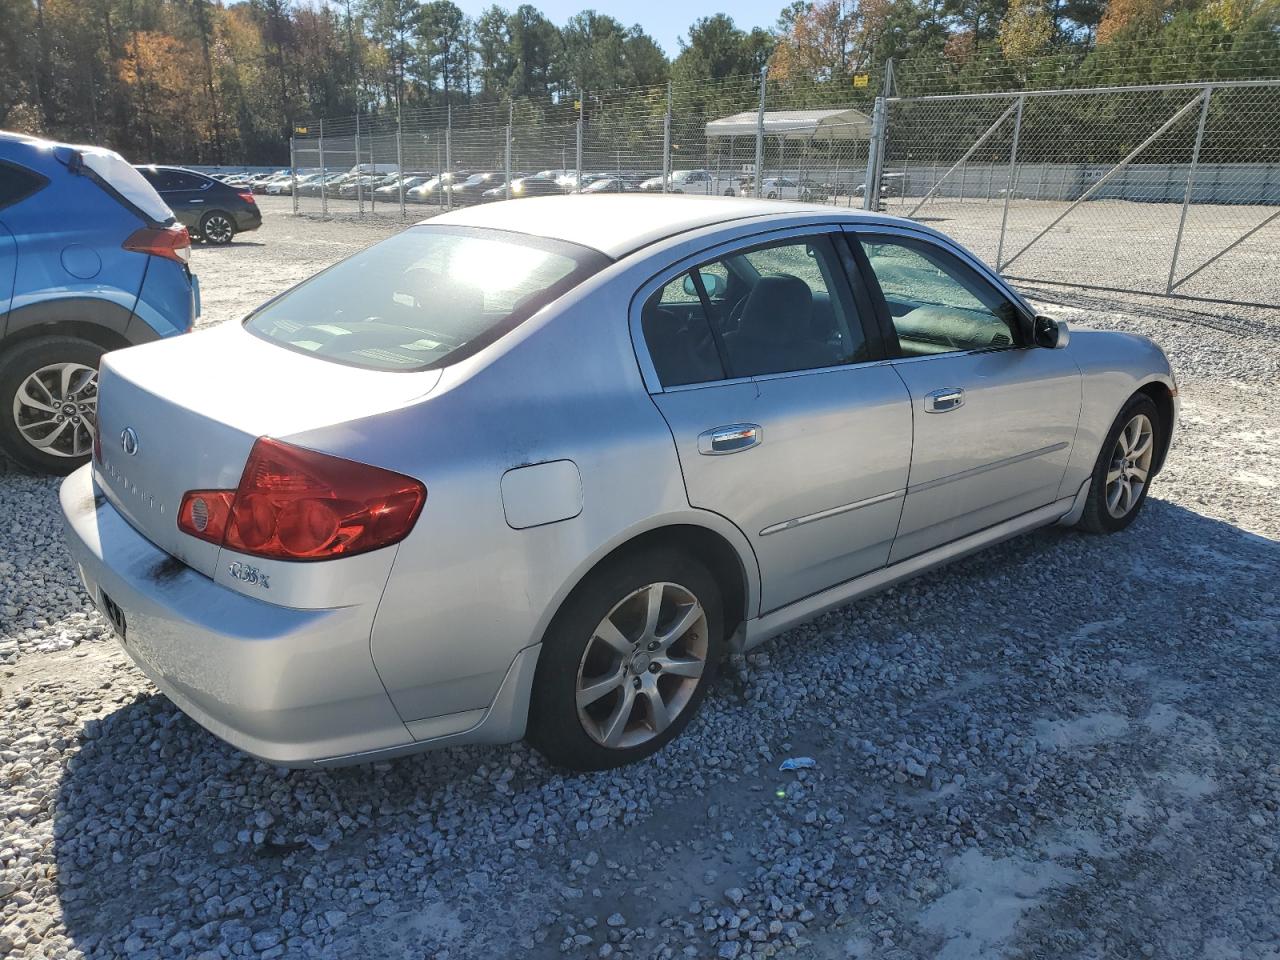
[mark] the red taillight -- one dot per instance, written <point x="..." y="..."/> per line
<point x="173" y="243"/>
<point x="247" y="196"/>
<point x="296" y="504"/>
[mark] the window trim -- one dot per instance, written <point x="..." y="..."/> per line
<point x="855" y="233"/>
<point x="832" y="230"/>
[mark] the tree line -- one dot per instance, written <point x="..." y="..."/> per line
<point x="208" y="81"/>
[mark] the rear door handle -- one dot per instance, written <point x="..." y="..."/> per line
<point x="944" y="400"/>
<point x="729" y="439"/>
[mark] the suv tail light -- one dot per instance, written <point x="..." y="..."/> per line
<point x="247" y="196"/>
<point x="172" y="243"/>
<point x="296" y="504"/>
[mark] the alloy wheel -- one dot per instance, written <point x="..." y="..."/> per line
<point x="642" y="665"/>
<point x="1130" y="465"/>
<point x="55" y="409"/>
<point x="217" y="229"/>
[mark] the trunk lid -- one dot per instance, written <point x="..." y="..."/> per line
<point x="182" y="414"/>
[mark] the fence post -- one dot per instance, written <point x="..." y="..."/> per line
<point x="1186" y="196"/>
<point x="506" y="163"/>
<point x="759" y="178"/>
<point x="875" y="149"/>
<point x="448" y="154"/>
<point x="582" y="106"/>
<point x="1013" y="174"/>
<point x="359" y="184"/>
<point x="324" y="200"/>
<point x="293" y="174"/>
<point x="400" y="167"/>
<point x="666" y="143"/>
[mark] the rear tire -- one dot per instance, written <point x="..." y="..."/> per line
<point x="217" y="228"/>
<point x="1124" y="470"/>
<point x="627" y="661"/>
<point x="42" y="380"/>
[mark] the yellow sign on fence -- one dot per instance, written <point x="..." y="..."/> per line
<point x="861" y="80"/>
<point x="299" y="129"/>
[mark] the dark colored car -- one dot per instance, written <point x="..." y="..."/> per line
<point x="610" y="184"/>
<point x="91" y="260"/>
<point x="212" y="211"/>
<point x="472" y="189"/>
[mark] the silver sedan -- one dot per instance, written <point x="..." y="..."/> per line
<point x="533" y="469"/>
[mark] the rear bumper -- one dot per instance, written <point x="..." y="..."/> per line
<point x="247" y="220"/>
<point x="292" y="687"/>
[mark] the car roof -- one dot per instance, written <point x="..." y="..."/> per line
<point x="618" y="224"/>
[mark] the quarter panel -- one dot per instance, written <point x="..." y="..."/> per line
<point x="467" y="591"/>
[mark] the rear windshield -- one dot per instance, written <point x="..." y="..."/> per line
<point x="425" y="298"/>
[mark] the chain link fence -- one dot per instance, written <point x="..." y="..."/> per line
<point x="1170" y="189"/>
<point x="1167" y="189"/>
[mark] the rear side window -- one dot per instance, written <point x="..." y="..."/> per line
<point x="425" y="298"/>
<point x="181" y="180"/>
<point x="678" y="335"/>
<point x="17" y="183"/>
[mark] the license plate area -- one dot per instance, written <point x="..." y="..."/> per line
<point x="114" y="614"/>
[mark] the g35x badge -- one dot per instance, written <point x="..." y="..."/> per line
<point x="249" y="574"/>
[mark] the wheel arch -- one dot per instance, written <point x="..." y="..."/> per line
<point x="1162" y="397"/>
<point x="99" y="321"/>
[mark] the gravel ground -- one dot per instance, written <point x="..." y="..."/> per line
<point x="1067" y="746"/>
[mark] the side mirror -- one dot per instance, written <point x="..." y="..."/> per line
<point x="713" y="283"/>
<point x="1050" y="333"/>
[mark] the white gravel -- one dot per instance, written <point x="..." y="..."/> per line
<point x="1067" y="746"/>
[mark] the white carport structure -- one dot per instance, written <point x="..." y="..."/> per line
<point x="803" y="125"/>
<point x="824" y="141"/>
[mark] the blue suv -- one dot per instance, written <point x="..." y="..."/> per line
<point x="91" y="259"/>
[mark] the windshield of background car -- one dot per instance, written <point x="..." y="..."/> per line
<point x="425" y="298"/>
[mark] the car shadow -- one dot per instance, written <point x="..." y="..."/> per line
<point x="163" y="834"/>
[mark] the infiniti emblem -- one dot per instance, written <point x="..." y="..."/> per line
<point x="129" y="441"/>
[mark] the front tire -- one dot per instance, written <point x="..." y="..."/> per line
<point x="1125" y="467"/>
<point x="217" y="228"/>
<point x="49" y="402"/>
<point x="627" y="661"/>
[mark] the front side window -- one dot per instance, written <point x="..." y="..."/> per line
<point x="936" y="303"/>
<point x="424" y="298"/>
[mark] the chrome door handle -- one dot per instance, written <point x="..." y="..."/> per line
<point x="729" y="439"/>
<point x="944" y="400"/>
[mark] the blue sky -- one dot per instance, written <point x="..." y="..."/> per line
<point x="664" y="20"/>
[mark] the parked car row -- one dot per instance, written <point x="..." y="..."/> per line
<point x="478" y="186"/>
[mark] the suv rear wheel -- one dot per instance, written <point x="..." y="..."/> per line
<point x="49" y="402"/>
<point x="627" y="661"/>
